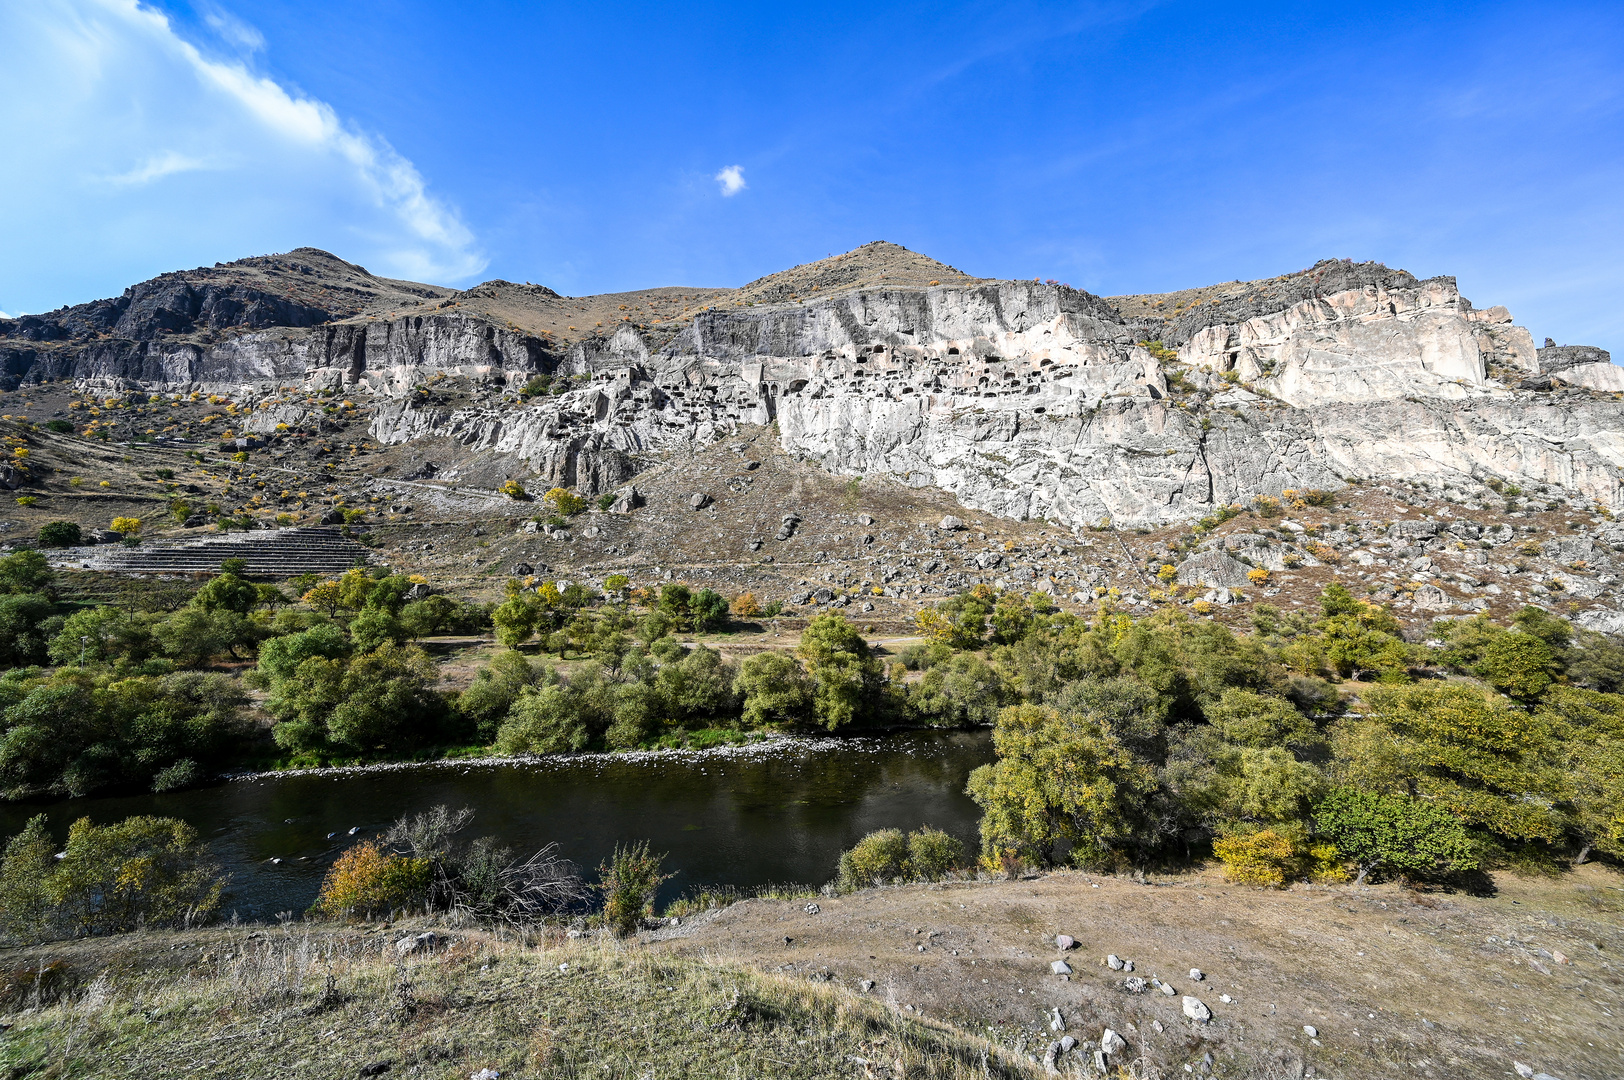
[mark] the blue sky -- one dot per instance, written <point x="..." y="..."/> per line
<point x="597" y="147"/>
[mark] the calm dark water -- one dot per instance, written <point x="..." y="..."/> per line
<point x="778" y="816"/>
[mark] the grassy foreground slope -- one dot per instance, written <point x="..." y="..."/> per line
<point x="313" y="1001"/>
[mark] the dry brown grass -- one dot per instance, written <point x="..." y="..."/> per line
<point x="321" y="1001"/>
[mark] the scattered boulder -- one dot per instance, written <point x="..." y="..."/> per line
<point x="1430" y="598"/>
<point x="864" y="519"/>
<point x="1195" y="1010"/>
<point x="523" y="569"/>
<point x="1064" y="942"/>
<point x="1196" y="975"/>
<point x="1311" y="1031"/>
<point x="699" y="500"/>
<point x="333" y="517"/>
<point x="950" y="524"/>
<point x="11" y="478"/>
<point x="1135" y="984"/>
<point x="424" y="942"/>
<point x="626" y="500"/>
<point x="1114" y="962"/>
<point x="377" y="1068"/>
<point x="866" y="985"/>
<point x="1112" y="1043"/>
<point x="1213" y="570"/>
<point x="1060" y="967"/>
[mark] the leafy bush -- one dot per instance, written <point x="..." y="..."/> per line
<point x="367" y="880"/>
<point x="73" y="732"/>
<point x="381" y="701"/>
<point x="846" y="677"/>
<point x="514" y="490"/>
<point x="630" y="880"/>
<point x="128" y="526"/>
<point x="932" y="854"/>
<point x="774" y="688"/>
<point x="139" y="872"/>
<point x="1394" y="834"/>
<point x="1265" y="857"/>
<point x="884" y="855"/>
<point x="59" y="534"/>
<point x="564" y="502"/>
<point x="876" y="859"/>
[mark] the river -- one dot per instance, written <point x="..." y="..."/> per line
<point x="761" y="815"/>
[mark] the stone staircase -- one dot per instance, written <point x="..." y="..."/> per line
<point x="283" y="553"/>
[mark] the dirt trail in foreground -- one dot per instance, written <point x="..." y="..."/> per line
<point x="1394" y="983"/>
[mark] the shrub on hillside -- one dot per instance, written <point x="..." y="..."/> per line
<point x="630" y="880"/>
<point x="368" y="880"/>
<point x="59" y="534"/>
<point x="886" y="855"/>
<point x="1394" y="834"/>
<point x="139" y="872"/>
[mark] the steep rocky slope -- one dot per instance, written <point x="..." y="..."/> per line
<point x="1025" y="399"/>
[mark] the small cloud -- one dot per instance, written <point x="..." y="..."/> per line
<point x="156" y="167"/>
<point x="233" y="30"/>
<point x="3" y="315"/>
<point x="731" y="179"/>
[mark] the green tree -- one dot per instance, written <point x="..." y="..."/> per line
<point x="1061" y="780"/>
<point x="227" y="592"/>
<point x="28" y="621"/>
<point x="192" y="636"/>
<point x="1011" y="618"/>
<point x="426" y="617"/>
<point x="485" y="704"/>
<point x="518" y="617"/>
<point x="1518" y="665"/>
<point x="1459" y="748"/>
<point x="26" y="911"/>
<point x="59" y="534"/>
<point x="774" y="689"/>
<point x="697" y="687"/>
<point x="377" y="626"/>
<point x="1587" y="747"/>
<point x="139" y="872"/>
<point x="25" y="572"/>
<point x="961" y="690"/>
<point x="101" y="635"/>
<point x="673" y="604"/>
<point x="1396" y="834"/>
<point x="546" y="720"/>
<point x="845" y="675"/>
<point x="707" y="611"/>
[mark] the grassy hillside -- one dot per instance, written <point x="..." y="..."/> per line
<point x="327" y="1002"/>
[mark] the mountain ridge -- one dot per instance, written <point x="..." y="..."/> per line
<point x="1024" y="398"/>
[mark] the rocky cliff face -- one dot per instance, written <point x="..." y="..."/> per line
<point x="1021" y="398"/>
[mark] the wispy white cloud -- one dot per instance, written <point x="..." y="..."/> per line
<point x="232" y="30"/>
<point x="144" y="146"/>
<point x="156" y="167"/>
<point x="731" y="179"/>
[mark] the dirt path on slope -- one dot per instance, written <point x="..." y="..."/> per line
<point x="1394" y="983"/>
